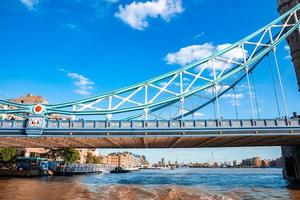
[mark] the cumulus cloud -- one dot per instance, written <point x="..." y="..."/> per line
<point x="234" y="99"/>
<point x="287" y="48"/>
<point x="192" y="53"/>
<point x="136" y="14"/>
<point x="29" y="4"/>
<point x="84" y="85"/>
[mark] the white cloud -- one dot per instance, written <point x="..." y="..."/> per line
<point x="230" y="95"/>
<point x="136" y="14"/>
<point x="288" y="57"/>
<point x="192" y="53"/>
<point x="287" y="48"/>
<point x="235" y="53"/>
<point x="196" y="114"/>
<point x="234" y="99"/>
<point x="29" y="4"/>
<point x="84" y="85"/>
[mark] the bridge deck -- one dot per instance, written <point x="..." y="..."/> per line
<point x="150" y="134"/>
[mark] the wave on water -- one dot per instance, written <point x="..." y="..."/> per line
<point x="132" y="192"/>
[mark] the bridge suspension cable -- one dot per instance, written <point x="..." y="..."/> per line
<point x="274" y="86"/>
<point x="255" y="95"/>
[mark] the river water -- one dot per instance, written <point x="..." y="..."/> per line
<point x="204" y="184"/>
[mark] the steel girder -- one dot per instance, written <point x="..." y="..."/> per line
<point x="204" y="75"/>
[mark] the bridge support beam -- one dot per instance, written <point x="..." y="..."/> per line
<point x="291" y="163"/>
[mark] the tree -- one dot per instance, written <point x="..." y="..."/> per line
<point x="89" y="158"/>
<point x="69" y="155"/>
<point x="96" y="160"/>
<point x="8" y="154"/>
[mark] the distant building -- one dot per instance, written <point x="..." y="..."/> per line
<point x="32" y="152"/>
<point x="251" y="162"/>
<point x="83" y="154"/>
<point x="33" y="99"/>
<point x="30" y="99"/>
<point x="265" y="163"/>
<point x="256" y="162"/>
<point x="163" y="162"/>
<point x="124" y="159"/>
<point x="236" y="163"/>
<point x="103" y="160"/>
<point x="276" y="163"/>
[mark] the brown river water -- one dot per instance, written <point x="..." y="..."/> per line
<point x="206" y="184"/>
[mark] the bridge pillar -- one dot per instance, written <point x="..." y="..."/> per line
<point x="294" y="39"/>
<point x="291" y="163"/>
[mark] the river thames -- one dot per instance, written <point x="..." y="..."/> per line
<point x="204" y="184"/>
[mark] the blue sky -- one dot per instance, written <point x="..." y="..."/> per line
<point x="71" y="49"/>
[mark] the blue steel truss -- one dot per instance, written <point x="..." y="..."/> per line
<point x="207" y="78"/>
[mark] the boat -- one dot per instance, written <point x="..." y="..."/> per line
<point x="26" y="167"/>
<point x="119" y="170"/>
<point x="132" y="169"/>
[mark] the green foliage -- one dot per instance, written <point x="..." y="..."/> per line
<point x="91" y="159"/>
<point x="8" y="154"/>
<point x="69" y="155"/>
<point x="96" y="160"/>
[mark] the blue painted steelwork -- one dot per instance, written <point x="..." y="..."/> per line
<point x="254" y="48"/>
<point x="98" y="128"/>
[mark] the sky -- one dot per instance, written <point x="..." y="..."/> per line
<point x="71" y="49"/>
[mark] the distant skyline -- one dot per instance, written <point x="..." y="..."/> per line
<point x="202" y="154"/>
<point x="66" y="50"/>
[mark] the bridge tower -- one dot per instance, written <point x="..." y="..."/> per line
<point x="291" y="154"/>
<point x="294" y="39"/>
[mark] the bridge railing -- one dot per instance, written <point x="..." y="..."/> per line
<point x="174" y="124"/>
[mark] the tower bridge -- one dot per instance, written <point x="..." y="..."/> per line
<point x="163" y="112"/>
